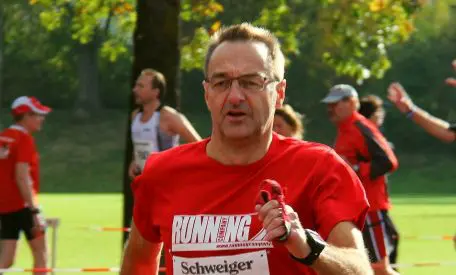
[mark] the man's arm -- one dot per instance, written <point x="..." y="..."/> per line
<point x="344" y="254"/>
<point x="24" y="183"/>
<point x="382" y="158"/>
<point x="432" y="125"/>
<point x="180" y="125"/>
<point x="140" y="256"/>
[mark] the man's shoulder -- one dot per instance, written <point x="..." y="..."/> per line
<point x="11" y="134"/>
<point x="303" y="148"/>
<point x="168" y="111"/>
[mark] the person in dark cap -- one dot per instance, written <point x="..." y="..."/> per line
<point x="360" y="142"/>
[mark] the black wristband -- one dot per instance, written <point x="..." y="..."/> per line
<point x="316" y="244"/>
<point x="34" y="210"/>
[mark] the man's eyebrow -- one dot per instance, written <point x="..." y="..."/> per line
<point x="225" y="75"/>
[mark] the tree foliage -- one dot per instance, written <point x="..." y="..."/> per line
<point x="353" y="37"/>
<point x="113" y="20"/>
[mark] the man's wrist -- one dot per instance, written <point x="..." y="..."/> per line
<point x="35" y="210"/>
<point x="411" y="111"/>
<point x="304" y="250"/>
<point x="315" y="245"/>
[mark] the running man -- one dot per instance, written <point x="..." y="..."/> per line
<point x="19" y="184"/>
<point x="156" y="127"/>
<point x="199" y="199"/>
<point x="362" y="145"/>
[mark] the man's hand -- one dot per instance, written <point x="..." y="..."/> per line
<point x="399" y="97"/>
<point x="271" y="216"/>
<point x="133" y="170"/>
<point x="39" y="224"/>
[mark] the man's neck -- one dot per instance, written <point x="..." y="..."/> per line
<point x="238" y="152"/>
<point x="347" y="118"/>
<point x="22" y="127"/>
<point x="151" y="107"/>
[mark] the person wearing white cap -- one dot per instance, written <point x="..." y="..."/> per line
<point x="360" y="142"/>
<point x="19" y="182"/>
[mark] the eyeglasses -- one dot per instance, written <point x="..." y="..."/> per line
<point x="247" y="83"/>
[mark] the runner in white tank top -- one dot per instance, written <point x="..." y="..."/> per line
<point x="156" y="127"/>
<point x="144" y="137"/>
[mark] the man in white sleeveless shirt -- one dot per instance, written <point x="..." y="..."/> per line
<point x="155" y="127"/>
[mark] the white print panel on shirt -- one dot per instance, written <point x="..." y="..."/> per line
<point x="5" y="144"/>
<point x="142" y="149"/>
<point x="254" y="263"/>
<point x="217" y="232"/>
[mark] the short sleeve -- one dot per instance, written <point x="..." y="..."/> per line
<point x="337" y="195"/>
<point x="25" y="150"/>
<point x="143" y="206"/>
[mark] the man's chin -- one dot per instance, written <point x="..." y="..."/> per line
<point x="237" y="133"/>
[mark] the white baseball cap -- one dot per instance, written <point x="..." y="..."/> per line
<point x="25" y="104"/>
<point x="339" y="92"/>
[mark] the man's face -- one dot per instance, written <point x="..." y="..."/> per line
<point x="143" y="91"/>
<point x="378" y="117"/>
<point x="340" y="110"/>
<point x="33" y="122"/>
<point x="240" y="92"/>
<point x="282" y="127"/>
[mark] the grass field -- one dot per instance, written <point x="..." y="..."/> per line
<point x="82" y="179"/>
<point x="82" y="247"/>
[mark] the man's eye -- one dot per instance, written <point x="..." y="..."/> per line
<point x="249" y="84"/>
<point x="221" y="83"/>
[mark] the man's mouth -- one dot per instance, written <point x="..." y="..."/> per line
<point x="236" y="113"/>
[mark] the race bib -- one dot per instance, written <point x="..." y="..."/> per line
<point x="142" y="151"/>
<point x="253" y="263"/>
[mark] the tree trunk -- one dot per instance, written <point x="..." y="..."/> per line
<point x="2" y="24"/>
<point x="156" y="45"/>
<point x="87" y="100"/>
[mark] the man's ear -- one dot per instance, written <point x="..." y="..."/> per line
<point x="280" y="89"/>
<point x="206" y="93"/>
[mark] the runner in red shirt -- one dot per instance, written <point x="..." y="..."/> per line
<point x="362" y="145"/>
<point x="19" y="183"/>
<point x="201" y="202"/>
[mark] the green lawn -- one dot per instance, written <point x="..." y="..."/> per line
<point x="82" y="176"/>
<point x="81" y="247"/>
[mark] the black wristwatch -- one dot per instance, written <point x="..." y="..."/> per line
<point x="316" y="244"/>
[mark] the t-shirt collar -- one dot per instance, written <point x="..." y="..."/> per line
<point x="19" y="128"/>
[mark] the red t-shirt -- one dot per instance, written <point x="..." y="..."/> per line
<point x="361" y="143"/>
<point x="16" y="146"/>
<point x="203" y="211"/>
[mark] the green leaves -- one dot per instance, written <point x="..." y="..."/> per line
<point x="85" y="20"/>
<point x="359" y="34"/>
<point x="352" y="37"/>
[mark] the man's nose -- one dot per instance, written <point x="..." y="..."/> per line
<point x="235" y="93"/>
